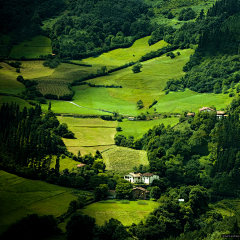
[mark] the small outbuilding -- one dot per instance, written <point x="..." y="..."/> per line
<point x="191" y="114"/>
<point x="221" y="114"/>
<point x="140" y="192"/>
<point x="131" y="118"/>
<point x="81" y="165"/>
<point x="206" y="109"/>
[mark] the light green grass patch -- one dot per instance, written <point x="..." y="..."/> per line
<point x="125" y="213"/>
<point x="122" y="56"/>
<point x="67" y="107"/>
<point x="149" y="83"/>
<point x="138" y="128"/>
<point x="20" y="197"/>
<point x="38" y="45"/>
<point x="176" y="102"/>
<point x="123" y="160"/>
<point x="8" y="80"/>
<point x="90" y="133"/>
<point x="65" y="163"/>
<point x="10" y="99"/>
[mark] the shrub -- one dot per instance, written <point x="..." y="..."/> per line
<point x="125" y="201"/>
<point x="139" y="202"/>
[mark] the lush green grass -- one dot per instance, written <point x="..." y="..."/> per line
<point x="38" y="45"/>
<point x="138" y="128"/>
<point x="125" y="213"/>
<point x="65" y="163"/>
<point x="123" y="160"/>
<point x="146" y="85"/>
<point x="10" y="99"/>
<point x="20" y="197"/>
<point x="176" y="102"/>
<point x="91" y="134"/>
<point x="8" y="82"/>
<point x="122" y="56"/>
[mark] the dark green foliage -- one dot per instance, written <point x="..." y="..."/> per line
<point x="137" y="67"/>
<point x="140" y="104"/>
<point x="33" y="225"/>
<point x="155" y="192"/>
<point x="80" y="226"/>
<point x="186" y="14"/>
<point x="52" y="62"/>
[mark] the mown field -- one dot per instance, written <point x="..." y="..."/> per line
<point x="138" y="128"/>
<point x="38" y="45"/>
<point x="122" y="160"/>
<point x="176" y="102"/>
<point x="122" y="56"/>
<point x="20" y="197"/>
<point x="125" y="213"/>
<point x="91" y="134"/>
<point x="65" y="162"/>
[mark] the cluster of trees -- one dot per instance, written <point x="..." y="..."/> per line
<point x="92" y="27"/>
<point x="31" y="92"/>
<point x="186" y="14"/>
<point x="217" y="36"/>
<point x="23" y="19"/>
<point x="52" y="62"/>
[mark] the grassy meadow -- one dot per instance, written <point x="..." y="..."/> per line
<point x="176" y="102"/>
<point x="65" y="163"/>
<point x="20" y="196"/>
<point x="138" y="128"/>
<point x="122" y="56"/>
<point x="33" y="48"/>
<point x="125" y="213"/>
<point x="91" y="134"/>
<point x="123" y="160"/>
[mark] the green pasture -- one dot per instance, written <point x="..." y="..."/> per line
<point x="20" y="196"/>
<point x="123" y="160"/>
<point x="11" y="99"/>
<point x="149" y="83"/>
<point x="138" y="128"/>
<point x="8" y="80"/>
<point x="65" y="163"/>
<point x="125" y="213"/>
<point x="38" y="45"/>
<point x="91" y="134"/>
<point x="122" y="56"/>
<point x="176" y="102"/>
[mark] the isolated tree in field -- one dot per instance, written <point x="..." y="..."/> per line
<point x="140" y="104"/>
<point x="137" y="67"/>
<point x="103" y="69"/>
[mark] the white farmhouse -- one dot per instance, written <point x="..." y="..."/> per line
<point x="146" y="178"/>
<point x="133" y="177"/>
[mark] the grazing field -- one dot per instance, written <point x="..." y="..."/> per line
<point x="65" y="163"/>
<point x="91" y="134"/>
<point x="123" y="160"/>
<point x="8" y="80"/>
<point x="20" y="197"/>
<point x="138" y="128"/>
<point x="10" y="99"/>
<point x="122" y="56"/>
<point x="176" y="102"/>
<point x="38" y="45"/>
<point x="125" y="213"/>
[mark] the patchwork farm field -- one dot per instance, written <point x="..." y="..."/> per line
<point x="20" y="196"/>
<point x="38" y="45"/>
<point x="138" y="128"/>
<point x="122" y="56"/>
<point x="123" y="160"/>
<point x="91" y="134"/>
<point x="125" y="213"/>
